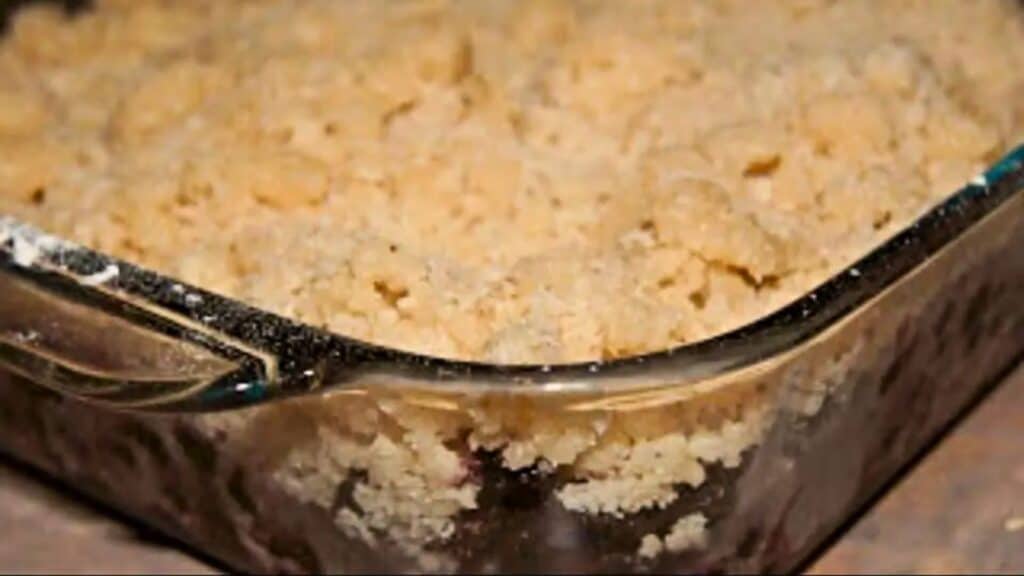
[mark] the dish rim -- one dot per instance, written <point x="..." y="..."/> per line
<point x="300" y="347"/>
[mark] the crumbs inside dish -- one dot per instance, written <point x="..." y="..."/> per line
<point x="502" y="181"/>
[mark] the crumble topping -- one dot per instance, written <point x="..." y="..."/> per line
<point x="502" y="181"/>
<point x="507" y="182"/>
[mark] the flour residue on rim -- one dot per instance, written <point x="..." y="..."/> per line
<point x="28" y="244"/>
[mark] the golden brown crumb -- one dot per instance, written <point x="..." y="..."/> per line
<point x="505" y="181"/>
<point x="509" y="182"/>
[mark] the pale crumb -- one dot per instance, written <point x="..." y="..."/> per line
<point x="1014" y="524"/>
<point x="688" y="533"/>
<point x="620" y="479"/>
<point x="650" y="546"/>
<point x="355" y="526"/>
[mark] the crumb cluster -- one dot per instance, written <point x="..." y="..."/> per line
<point x="502" y="181"/>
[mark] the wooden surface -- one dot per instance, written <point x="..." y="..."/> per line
<point x="960" y="510"/>
<point x="45" y="531"/>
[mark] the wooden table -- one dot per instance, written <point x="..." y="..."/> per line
<point x="961" y="509"/>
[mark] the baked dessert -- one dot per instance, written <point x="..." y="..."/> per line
<point x="509" y="182"/>
<point x="501" y="181"/>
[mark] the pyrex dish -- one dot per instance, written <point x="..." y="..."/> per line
<point x="782" y="428"/>
<point x="734" y="454"/>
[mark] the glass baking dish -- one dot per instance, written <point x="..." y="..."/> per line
<point x="278" y="447"/>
